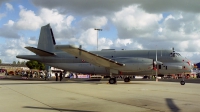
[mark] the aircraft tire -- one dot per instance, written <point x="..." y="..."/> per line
<point x="112" y="81"/>
<point x="127" y="79"/>
<point x="182" y="82"/>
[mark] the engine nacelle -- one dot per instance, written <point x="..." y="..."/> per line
<point x="134" y="64"/>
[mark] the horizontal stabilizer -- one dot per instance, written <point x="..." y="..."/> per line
<point x="89" y="57"/>
<point x="40" y="52"/>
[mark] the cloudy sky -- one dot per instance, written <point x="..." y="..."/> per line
<point x="126" y="24"/>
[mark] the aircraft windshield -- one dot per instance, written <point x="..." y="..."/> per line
<point x="174" y="54"/>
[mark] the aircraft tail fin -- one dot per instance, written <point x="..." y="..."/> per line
<point x="46" y="40"/>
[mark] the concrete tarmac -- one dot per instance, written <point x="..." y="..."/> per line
<point x="94" y="96"/>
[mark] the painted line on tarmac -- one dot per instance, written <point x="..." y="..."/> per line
<point x="34" y="99"/>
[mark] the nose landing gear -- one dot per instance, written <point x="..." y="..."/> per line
<point x="183" y="81"/>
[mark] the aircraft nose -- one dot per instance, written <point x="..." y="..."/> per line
<point x="190" y="64"/>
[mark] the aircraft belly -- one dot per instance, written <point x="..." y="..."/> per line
<point x="85" y="68"/>
<point x="136" y="67"/>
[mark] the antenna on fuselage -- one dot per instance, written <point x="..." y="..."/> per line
<point x="173" y="49"/>
<point x="80" y="47"/>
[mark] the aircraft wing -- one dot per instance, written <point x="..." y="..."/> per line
<point x="40" y="52"/>
<point x="89" y="57"/>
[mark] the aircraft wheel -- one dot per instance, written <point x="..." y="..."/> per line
<point x="112" y="81"/>
<point x="127" y="79"/>
<point x="182" y="82"/>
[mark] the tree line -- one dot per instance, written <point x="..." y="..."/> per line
<point x="19" y="63"/>
<point x="30" y="64"/>
<point x="35" y="65"/>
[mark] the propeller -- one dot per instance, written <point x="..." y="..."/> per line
<point x="156" y="67"/>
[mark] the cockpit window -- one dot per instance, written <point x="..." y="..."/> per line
<point x="174" y="54"/>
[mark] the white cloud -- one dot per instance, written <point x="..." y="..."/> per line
<point x="105" y="7"/>
<point x="160" y="30"/>
<point x="127" y="44"/>
<point x="89" y="37"/>
<point x="10" y="23"/>
<point x="32" y="41"/>
<point x="28" y="20"/>
<point x="123" y="42"/>
<point x="12" y="47"/>
<point x="9" y="7"/>
<point x="179" y="30"/>
<point x="104" y="43"/>
<point x="2" y="15"/>
<point x="21" y="7"/>
<point x="8" y="32"/>
<point x="60" y="21"/>
<point x="93" y="22"/>
<point x="182" y="46"/>
<point x="182" y="22"/>
<point x="132" y="21"/>
<point x="52" y="16"/>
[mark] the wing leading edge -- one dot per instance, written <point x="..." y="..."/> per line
<point x="89" y="57"/>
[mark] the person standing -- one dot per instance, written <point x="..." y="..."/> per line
<point x="61" y="76"/>
<point x="56" y="74"/>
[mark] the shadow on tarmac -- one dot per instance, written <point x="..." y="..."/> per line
<point x="69" y="82"/>
<point x="87" y="81"/>
<point x="47" y="82"/>
<point x="172" y="106"/>
<point x="64" y="81"/>
<point x="58" y="109"/>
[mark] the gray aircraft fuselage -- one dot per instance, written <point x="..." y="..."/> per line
<point x="105" y="62"/>
<point x="172" y="62"/>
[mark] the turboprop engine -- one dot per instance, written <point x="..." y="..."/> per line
<point x="134" y="64"/>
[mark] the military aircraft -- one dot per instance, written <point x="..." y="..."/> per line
<point x="107" y="61"/>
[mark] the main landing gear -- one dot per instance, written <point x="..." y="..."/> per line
<point x="183" y="82"/>
<point x="112" y="81"/>
<point x="127" y="79"/>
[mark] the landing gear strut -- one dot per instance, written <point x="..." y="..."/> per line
<point x="183" y="82"/>
<point x="127" y="79"/>
<point x="112" y="81"/>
